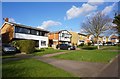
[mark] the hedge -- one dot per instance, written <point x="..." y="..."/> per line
<point x="25" y="46"/>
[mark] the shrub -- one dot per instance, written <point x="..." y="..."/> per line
<point x="81" y="45"/>
<point x="89" y="43"/>
<point x="118" y="44"/>
<point x="26" y="46"/>
<point x="14" y="43"/>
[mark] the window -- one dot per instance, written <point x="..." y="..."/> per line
<point x="34" y="32"/>
<point x="43" y="43"/>
<point x="46" y="34"/>
<point x="37" y="32"/>
<point x="29" y="31"/>
<point x="43" y="34"/>
<point x="22" y="30"/>
<point x="63" y="35"/>
<point x="40" y="33"/>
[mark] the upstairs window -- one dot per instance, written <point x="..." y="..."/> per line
<point x="34" y="32"/>
<point x="22" y="30"/>
<point x="42" y="33"/>
<point x="37" y="32"/>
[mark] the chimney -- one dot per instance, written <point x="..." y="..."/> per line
<point x="6" y="19"/>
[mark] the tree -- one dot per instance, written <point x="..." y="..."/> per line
<point x="96" y="25"/>
<point x="117" y="22"/>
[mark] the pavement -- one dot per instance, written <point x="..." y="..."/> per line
<point x="79" y="69"/>
<point x="111" y="69"/>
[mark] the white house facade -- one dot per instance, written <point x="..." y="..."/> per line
<point x="65" y="37"/>
<point x="20" y="32"/>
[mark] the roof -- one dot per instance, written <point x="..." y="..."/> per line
<point x="20" y="25"/>
<point x="82" y="34"/>
<point x="59" y="31"/>
<point x="114" y="36"/>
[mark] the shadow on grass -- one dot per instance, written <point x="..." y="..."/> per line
<point x="39" y="50"/>
<point x="89" y="48"/>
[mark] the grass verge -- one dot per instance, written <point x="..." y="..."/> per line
<point x="103" y="56"/>
<point x="44" y="51"/>
<point x="31" y="68"/>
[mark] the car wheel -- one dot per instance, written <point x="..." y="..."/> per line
<point x="68" y="48"/>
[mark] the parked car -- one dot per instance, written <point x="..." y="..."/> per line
<point x="65" y="47"/>
<point x="80" y="42"/>
<point x="100" y="44"/>
<point x="8" y="49"/>
<point x="109" y="43"/>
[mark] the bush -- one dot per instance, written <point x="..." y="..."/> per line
<point x="81" y="45"/>
<point x="14" y="43"/>
<point x="89" y="43"/>
<point x="118" y="44"/>
<point x="26" y="46"/>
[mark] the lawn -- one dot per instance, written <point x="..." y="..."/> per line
<point x="44" y="51"/>
<point x="31" y="68"/>
<point x="110" y="47"/>
<point x="103" y="56"/>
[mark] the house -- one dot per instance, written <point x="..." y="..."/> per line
<point x="82" y="38"/>
<point x="74" y="38"/>
<point x="13" y="31"/>
<point x="104" y="39"/>
<point x="59" y="37"/>
<point x="114" y="39"/>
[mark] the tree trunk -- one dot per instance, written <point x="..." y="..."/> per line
<point x="98" y="43"/>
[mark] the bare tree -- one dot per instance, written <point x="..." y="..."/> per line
<point x="96" y="25"/>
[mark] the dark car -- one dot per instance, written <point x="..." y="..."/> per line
<point x="109" y="43"/>
<point x="8" y="49"/>
<point x="65" y="47"/>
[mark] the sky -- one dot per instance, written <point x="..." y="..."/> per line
<point x="55" y="16"/>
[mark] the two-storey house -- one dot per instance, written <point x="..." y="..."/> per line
<point x="13" y="31"/>
<point x="59" y="37"/>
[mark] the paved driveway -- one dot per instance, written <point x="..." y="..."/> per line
<point x="80" y="69"/>
<point x="111" y="69"/>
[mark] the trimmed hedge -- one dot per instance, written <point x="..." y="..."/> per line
<point x="25" y="46"/>
<point x="81" y="45"/>
<point x="89" y="43"/>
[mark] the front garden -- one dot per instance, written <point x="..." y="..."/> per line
<point x="35" y="68"/>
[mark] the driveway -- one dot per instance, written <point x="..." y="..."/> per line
<point x="111" y="69"/>
<point x="79" y="69"/>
